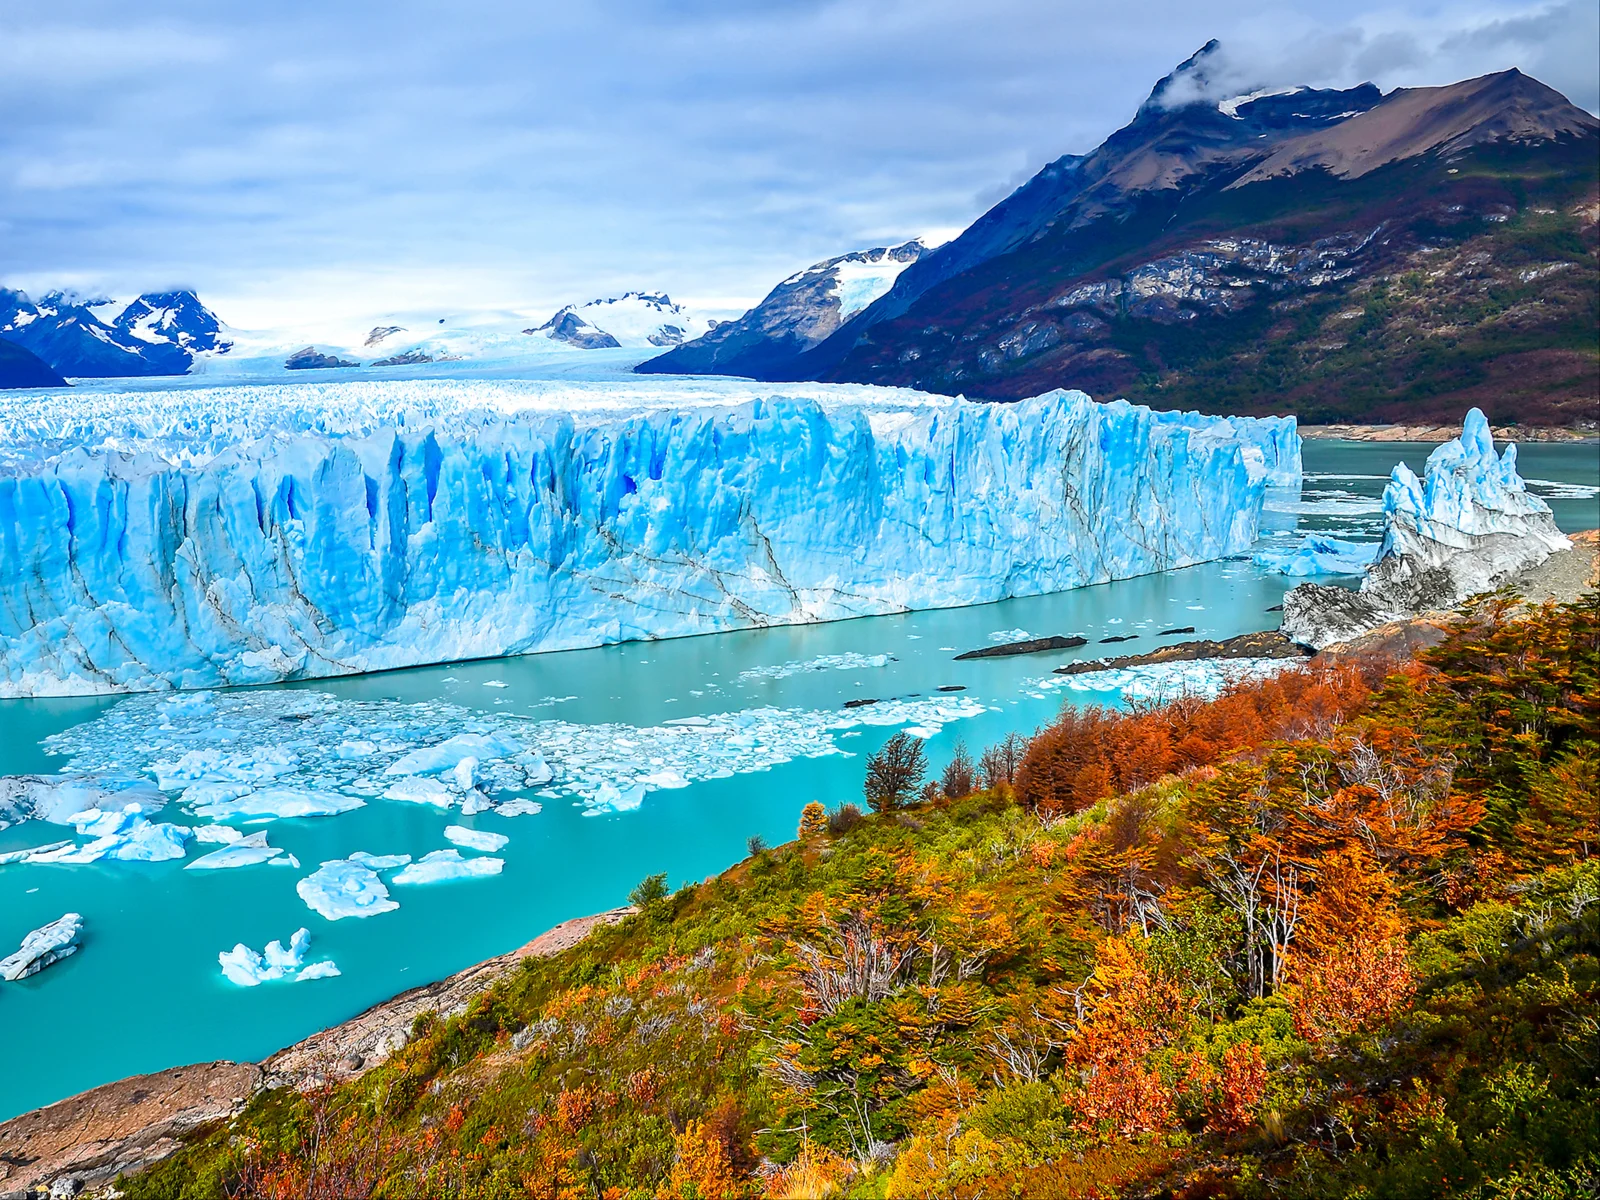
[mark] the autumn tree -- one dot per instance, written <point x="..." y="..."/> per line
<point x="960" y="778"/>
<point x="813" y="820"/>
<point x="895" y="773"/>
<point x="997" y="766"/>
<point x="703" y="1169"/>
<point x="1349" y="967"/>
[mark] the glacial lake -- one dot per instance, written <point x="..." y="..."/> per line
<point x="145" y="992"/>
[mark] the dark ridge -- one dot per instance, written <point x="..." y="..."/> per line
<point x="1268" y="643"/>
<point x="1167" y="632"/>
<point x="1031" y="646"/>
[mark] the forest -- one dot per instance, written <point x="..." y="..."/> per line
<point x="1333" y="933"/>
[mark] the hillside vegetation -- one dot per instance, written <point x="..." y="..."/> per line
<point x="1333" y="934"/>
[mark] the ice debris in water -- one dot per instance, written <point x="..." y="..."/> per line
<point x="380" y="862"/>
<point x="519" y="808"/>
<point x="1318" y="554"/>
<point x="224" y="835"/>
<point x="609" y="767"/>
<point x="474" y="839"/>
<point x="823" y="662"/>
<point x="243" y="966"/>
<point x="59" y="798"/>
<point x="441" y="866"/>
<point x="1001" y="636"/>
<point x="309" y="530"/>
<point x="450" y="753"/>
<point x="131" y="838"/>
<point x="45" y="945"/>
<point x="345" y="888"/>
<point x="1205" y="678"/>
<point x="247" y="851"/>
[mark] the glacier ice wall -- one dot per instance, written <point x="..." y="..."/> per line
<point x="215" y="544"/>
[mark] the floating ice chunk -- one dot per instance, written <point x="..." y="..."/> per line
<point x="440" y="866"/>
<point x="668" y="778"/>
<point x="429" y="760"/>
<point x="45" y="945"/>
<point x="923" y="731"/>
<point x="474" y="839"/>
<point x="823" y="662"/>
<point x="474" y="803"/>
<point x="534" y="768"/>
<point x="96" y="823"/>
<point x="420" y="790"/>
<point x="59" y="798"/>
<point x="255" y="766"/>
<point x="461" y="773"/>
<point x="224" y="835"/>
<point x="355" y="749"/>
<point x="244" y="967"/>
<point x="495" y="683"/>
<point x="519" y="808"/>
<point x="342" y="888"/>
<point x="380" y="862"/>
<point x="211" y="792"/>
<point x="140" y="841"/>
<point x="288" y="860"/>
<point x="276" y="803"/>
<point x="1000" y="636"/>
<point x="17" y="856"/>
<point x="247" y="851"/>
<point x="1317" y="554"/>
<point x="1167" y="681"/>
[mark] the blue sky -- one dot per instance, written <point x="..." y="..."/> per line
<point x="295" y="161"/>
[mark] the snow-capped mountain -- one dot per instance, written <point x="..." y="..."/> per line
<point x="631" y="319"/>
<point x="801" y="312"/>
<point x="158" y="333"/>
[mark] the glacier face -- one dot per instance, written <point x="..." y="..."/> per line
<point x="249" y="535"/>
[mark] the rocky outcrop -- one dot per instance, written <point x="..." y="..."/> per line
<point x="312" y="359"/>
<point x="1468" y="526"/>
<point x="569" y="327"/>
<point x="1268" y="643"/>
<point x="1028" y="646"/>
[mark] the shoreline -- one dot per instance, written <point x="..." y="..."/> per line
<point x="133" y="1123"/>
<point x="1564" y="434"/>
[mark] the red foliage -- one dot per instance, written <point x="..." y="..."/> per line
<point x="1241" y="1084"/>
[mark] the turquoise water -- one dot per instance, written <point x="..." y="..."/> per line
<point x="145" y="992"/>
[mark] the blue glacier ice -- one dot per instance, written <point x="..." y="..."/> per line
<point x="46" y="945"/>
<point x="1318" y="554"/>
<point x="249" y="535"/>
<point x="445" y="866"/>
<point x="1467" y="526"/>
<point x="343" y="888"/>
<point x="245" y="968"/>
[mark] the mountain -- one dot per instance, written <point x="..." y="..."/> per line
<point x="631" y="319"/>
<point x="21" y="369"/>
<point x="801" y="312"/>
<point x="1343" y="255"/>
<point x="157" y="334"/>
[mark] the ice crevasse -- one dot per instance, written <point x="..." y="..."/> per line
<point x="140" y="563"/>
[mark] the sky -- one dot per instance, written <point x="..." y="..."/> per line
<point x="303" y="162"/>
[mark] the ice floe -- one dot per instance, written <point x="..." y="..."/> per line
<point x="244" y="967"/>
<point x="247" y="851"/>
<point x="1318" y="554"/>
<point x="823" y="662"/>
<point x="474" y="839"/>
<point x="345" y="888"/>
<point x="135" y="840"/>
<point x="441" y="866"/>
<point x="46" y="945"/>
<point x="280" y="802"/>
<point x="1167" y="681"/>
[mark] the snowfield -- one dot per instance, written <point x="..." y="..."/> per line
<point x="201" y="537"/>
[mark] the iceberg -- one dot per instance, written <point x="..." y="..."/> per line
<point x="244" y="967"/>
<point x="519" y="808"/>
<point x="247" y="851"/>
<point x="232" y="536"/>
<point x="276" y="803"/>
<point x="441" y="866"/>
<point x="46" y="945"/>
<point x="421" y="791"/>
<point x="380" y="862"/>
<point x="17" y="856"/>
<point x="1469" y="525"/>
<point x="474" y="839"/>
<point x="1318" y="554"/>
<point x="452" y="752"/>
<point x="58" y="799"/>
<point x="343" y="888"/>
<point x="136" y="840"/>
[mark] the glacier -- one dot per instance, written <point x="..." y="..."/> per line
<point x="246" y="535"/>
<point x="1467" y="526"/>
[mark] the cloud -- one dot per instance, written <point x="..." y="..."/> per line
<point x="304" y="158"/>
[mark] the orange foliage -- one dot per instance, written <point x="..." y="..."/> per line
<point x="1088" y="755"/>
<point x="574" y="1108"/>
<point x="1348" y="968"/>
<point x="1131" y="1010"/>
<point x="1241" y="1083"/>
<point x="703" y="1169"/>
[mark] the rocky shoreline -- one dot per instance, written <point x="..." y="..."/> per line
<point x="87" y="1140"/>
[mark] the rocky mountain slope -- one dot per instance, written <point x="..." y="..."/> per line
<point x="1338" y="254"/>
<point x="21" y="369"/>
<point x="157" y="334"/>
<point x="800" y="313"/>
<point x="631" y="319"/>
